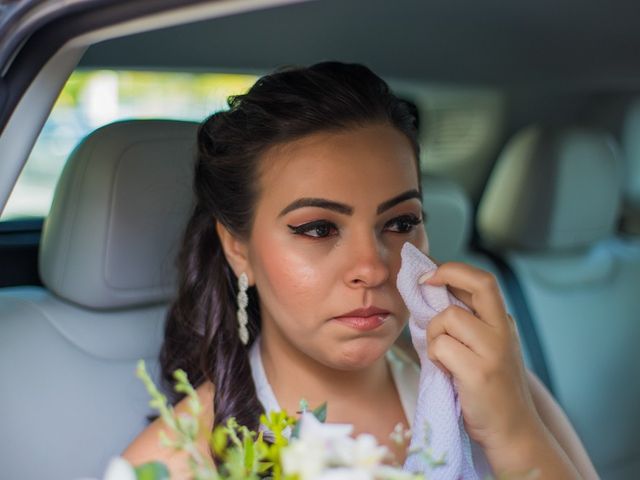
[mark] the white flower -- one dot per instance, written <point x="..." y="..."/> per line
<point x="119" y="469"/>
<point x="312" y="428"/>
<point x="346" y="474"/>
<point x="325" y="451"/>
<point x="366" y="453"/>
<point x="318" y="447"/>
<point x="399" y="435"/>
<point x="306" y="459"/>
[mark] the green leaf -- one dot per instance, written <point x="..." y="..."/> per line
<point x="264" y="466"/>
<point x="249" y="453"/>
<point x="187" y="425"/>
<point x="295" y="432"/>
<point x="183" y="386"/>
<point x="152" y="471"/>
<point x="321" y="412"/>
<point x="219" y="440"/>
<point x="235" y="464"/>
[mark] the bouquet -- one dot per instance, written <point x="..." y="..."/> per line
<point x="315" y="451"/>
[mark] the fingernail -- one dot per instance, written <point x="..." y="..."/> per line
<point x="426" y="276"/>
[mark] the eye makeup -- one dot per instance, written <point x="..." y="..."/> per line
<point x="402" y="224"/>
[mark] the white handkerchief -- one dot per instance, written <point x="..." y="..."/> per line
<point x="437" y="405"/>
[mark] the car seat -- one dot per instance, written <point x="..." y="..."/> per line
<point x="68" y="350"/>
<point x="550" y="211"/>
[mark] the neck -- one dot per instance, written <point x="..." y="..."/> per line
<point x="318" y="383"/>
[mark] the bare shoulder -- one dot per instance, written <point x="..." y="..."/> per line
<point x="560" y="427"/>
<point x="146" y="446"/>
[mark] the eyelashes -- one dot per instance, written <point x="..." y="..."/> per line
<point x="403" y="224"/>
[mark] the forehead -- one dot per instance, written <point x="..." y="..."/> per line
<point x="364" y="164"/>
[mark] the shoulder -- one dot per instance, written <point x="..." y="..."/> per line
<point x="146" y="446"/>
<point x="558" y="424"/>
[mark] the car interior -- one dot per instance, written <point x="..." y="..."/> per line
<point x="530" y="133"/>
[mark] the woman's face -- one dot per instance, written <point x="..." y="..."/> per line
<point x="334" y="210"/>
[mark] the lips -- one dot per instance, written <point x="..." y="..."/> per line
<point x="365" y="312"/>
<point x="364" y="318"/>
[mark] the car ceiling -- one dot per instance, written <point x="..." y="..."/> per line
<point x="575" y="44"/>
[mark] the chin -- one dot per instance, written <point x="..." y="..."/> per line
<point x="361" y="352"/>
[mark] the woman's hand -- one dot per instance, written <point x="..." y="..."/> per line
<point x="481" y="351"/>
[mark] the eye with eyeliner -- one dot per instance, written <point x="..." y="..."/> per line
<point x="403" y="224"/>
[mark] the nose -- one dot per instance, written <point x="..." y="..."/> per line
<point x="367" y="262"/>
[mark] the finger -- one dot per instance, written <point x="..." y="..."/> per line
<point x="515" y="332"/>
<point x="463" y="296"/>
<point x="481" y="287"/>
<point x="454" y="356"/>
<point x="464" y="327"/>
<point x="441" y="367"/>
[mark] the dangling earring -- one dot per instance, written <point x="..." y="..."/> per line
<point x="243" y="301"/>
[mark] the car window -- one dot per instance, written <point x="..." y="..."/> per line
<point x="92" y="98"/>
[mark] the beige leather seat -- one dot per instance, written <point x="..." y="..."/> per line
<point x="551" y="209"/>
<point x="68" y="351"/>
<point x="449" y="217"/>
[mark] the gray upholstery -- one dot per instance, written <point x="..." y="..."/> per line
<point x="581" y="281"/>
<point x="69" y="351"/>
<point x="552" y="189"/>
<point x="105" y="242"/>
<point x="449" y="218"/>
<point x="631" y="149"/>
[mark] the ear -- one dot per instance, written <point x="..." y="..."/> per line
<point x="235" y="251"/>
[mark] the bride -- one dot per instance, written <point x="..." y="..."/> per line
<point x="306" y="189"/>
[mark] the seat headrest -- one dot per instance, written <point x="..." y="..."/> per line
<point x="552" y="188"/>
<point x="449" y="217"/>
<point x="118" y="213"/>
<point x="631" y="148"/>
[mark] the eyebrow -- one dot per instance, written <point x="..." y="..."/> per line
<point x="345" y="209"/>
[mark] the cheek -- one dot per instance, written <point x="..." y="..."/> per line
<point x="289" y="280"/>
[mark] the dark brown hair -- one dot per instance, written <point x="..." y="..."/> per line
<point x="201" y="331"/>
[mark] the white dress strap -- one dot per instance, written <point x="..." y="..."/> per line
<point x="406" y="375"/>
<point x="263" y="388"/>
